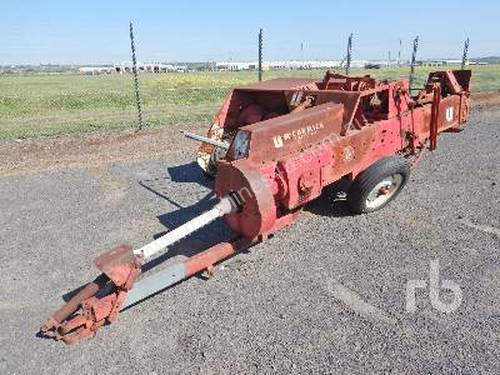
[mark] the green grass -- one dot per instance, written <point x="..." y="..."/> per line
<point x="36" y="105"/>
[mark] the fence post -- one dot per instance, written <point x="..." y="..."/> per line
<point x="136" y="78"/>
<point x="260" y="41"/>
<point x="466" y="52"/>
<point x="348" y="56"/>
<point x="399" y="53"/>
<point x="413" y="62"/>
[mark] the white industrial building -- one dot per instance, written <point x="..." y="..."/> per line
<point x="149" y="68"/>
<point x="96" y="70"/>
<point x="285" y="64"/>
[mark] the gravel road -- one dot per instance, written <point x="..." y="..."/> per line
<point x="327" y="294"/>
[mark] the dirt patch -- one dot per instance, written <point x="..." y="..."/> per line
<point x="26" y="156"/>
<point x="114" y="187"/>
<point x="486" y="99"/>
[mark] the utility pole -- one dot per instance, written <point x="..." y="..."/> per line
<point x="389" y="58"/>
<point x="466" y="52"/>
<point x="260" y="55"/>
<point x="348" y="56"/>
<point x="136" y="78"/>
<point x="413" y="61"/>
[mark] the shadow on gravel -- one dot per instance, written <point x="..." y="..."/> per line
<point x="185" y="173"/>
<point x="200" y="240"/>
<point x="203" y="238"/>
<point x="190" y="172"/>
<point x="332" y="202"/>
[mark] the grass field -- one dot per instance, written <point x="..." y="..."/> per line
<point x="42" y="105"/>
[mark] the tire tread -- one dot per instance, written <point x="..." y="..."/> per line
<point x="367" y="179"/>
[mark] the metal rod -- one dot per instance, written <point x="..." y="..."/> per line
<point x="348" y="55"/>
<point x="466" y="52"/>
<point x="225" y="206"/>
<point x="413" y="61"/>
<point x="136" y="78"/>
<point x="260" y="43"/>
<point x="204" y="139"/>
<point x="399" y="52"/>
<point x="70" y="307"/>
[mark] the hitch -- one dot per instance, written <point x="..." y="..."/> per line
<point x="85" y="313"/>
<point x="100" y="301"/>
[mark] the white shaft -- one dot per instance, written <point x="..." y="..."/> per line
<point x="225" y="206"/>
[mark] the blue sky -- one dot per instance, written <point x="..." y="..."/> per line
<point x="96" y="32"/>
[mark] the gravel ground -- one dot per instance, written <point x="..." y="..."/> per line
<point x="324" y="295"/>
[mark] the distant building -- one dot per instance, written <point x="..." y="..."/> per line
<point x="478" y="63"/>
<point x="442" y="62"/>
<point x="285" y="64"/>
<point x="96" y="70"/>
<point x="237" y="66"/>
<point x="150" y="68"/>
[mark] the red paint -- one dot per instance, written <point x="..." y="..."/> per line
<point x="353" y="122"/>
<point x="208" y="258"/>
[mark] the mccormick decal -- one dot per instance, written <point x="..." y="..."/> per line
<point x="294" y="135"/>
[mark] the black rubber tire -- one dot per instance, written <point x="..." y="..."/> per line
<point x="369" y="178"/>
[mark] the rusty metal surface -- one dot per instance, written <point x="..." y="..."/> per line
<point x="258" y="210"/>
<point x="116" y="263"/>
<point x="338" y="133"/>
<point x="436" y="99"/>
<point x="281" y="84"/>
<point x="215" y="254"/>
<point x="287" y="135"/>
<point x="85" y="313"/>
<point x="302" y="176"/>
<point x="73" y="304"/>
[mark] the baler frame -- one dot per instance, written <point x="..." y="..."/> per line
<point x="274" y="147"/>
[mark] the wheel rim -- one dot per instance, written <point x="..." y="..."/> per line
<point x="384" y="191"/>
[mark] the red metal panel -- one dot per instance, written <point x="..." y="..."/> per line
<point x="280" y="137"/>
<point x="302" y="175"/>
<point x="282" y="84"/>
<point x="254" y="192"/>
